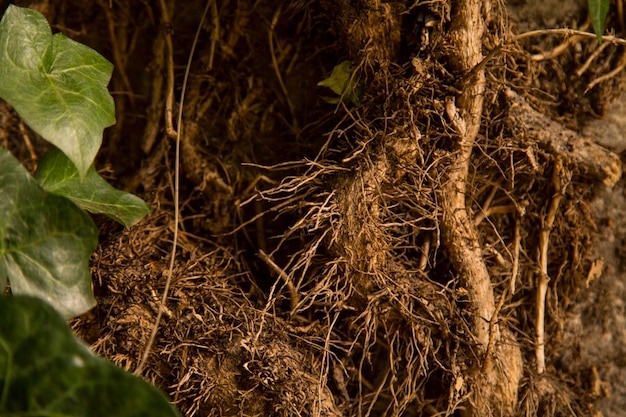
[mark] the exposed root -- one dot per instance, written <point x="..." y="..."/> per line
<point x="592" y="159"/>
<point x="560" y="182"/>
<point x="495" y="389"/>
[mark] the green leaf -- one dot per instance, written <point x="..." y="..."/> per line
<point x="58" y="86"/>
<point x="45" y="241"/>
<point x="58" y="175"/>
<point x="342" y="83"/>
<point x="598" y="9"/>
<point x="46" y="371"/>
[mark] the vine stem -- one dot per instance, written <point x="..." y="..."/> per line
<point x="179" y="125"/>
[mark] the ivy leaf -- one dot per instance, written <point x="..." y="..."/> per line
<point x="46" y="371"/>
<point x="342" y="83"/>
<point x="58" y="175"/>
<point x="598" y="9"/>
<point x="45" y="241"/>
<point x="57" y="85"/>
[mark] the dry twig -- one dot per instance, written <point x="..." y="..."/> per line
<point x="176" y="193"/>
<point x="169" y="98"/>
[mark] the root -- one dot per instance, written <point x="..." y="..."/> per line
<point x="495" y="391"/>
<point x="593" y="160"/>
<point x="544" y="279"/>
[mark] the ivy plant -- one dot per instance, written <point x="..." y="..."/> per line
<point x="58" y="175"/>
<point x="59" y="88"/>
<point x="57" y="85"/>
<point x="45" y="241"/>
<point x="46" y="371"/>
<point x="341" y="82"/>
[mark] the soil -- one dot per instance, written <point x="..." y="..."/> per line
<point x="447" y="242"/>
<point x="595" y="326"/>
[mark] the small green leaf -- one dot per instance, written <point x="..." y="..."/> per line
<point x="342" y="83"/>
<point x="598" y="9"/>
<point x="58" y="175"/>
<point x="46" y="371"/>
<point x="45" y="241"/>
<point x="57" y="85"/>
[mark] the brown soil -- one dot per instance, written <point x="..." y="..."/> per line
<point x="390" y="258"/>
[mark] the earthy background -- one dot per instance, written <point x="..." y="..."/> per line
<point x="323" y="267"/>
